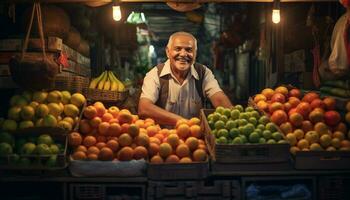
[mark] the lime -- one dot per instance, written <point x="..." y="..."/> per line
<point x="248" y="129"/>
<point x="219" y="125"/>
<point x="249" y="109"/>
<point x="262" y="140"/>
<point x="237" y="140"/>
<point x="210" y="117"/>
<point x="261" y="127"/>
<point x="216" y="116"/>
<point x="282" y="142"/>
<point x="255" y="114"/>
<point x="253" y="121"/>
<point x="214" y="132"/>
<point x="222" y="133"/>
<point x="211" y="124"/>
<point x="234" y="132"/>
<point x="242" y="122"/>
<point x="220" y="109"/>
<point x="231" y="124"/>
<point x="223" y="118"/>
<point x="267" y="134"/>
<point x="263" y="120"/>
<point x="277" y="136"/>
<point x="271" y="141"/>
<point x="254" y="137"/>
<point x="243" y="116"/>
<point x="227" y="112"/>
<point x="271" y="127"/>
<point x="221" y="140"/>
<point x="239" y="107"/>
<point x="235" y="114"/>
<point x="258" y="131"/>
<point x="244" y="139"/>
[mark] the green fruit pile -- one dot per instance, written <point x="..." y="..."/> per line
<point x="43" y="109"/>
<point x="242" y="126"/>
<point x="21" y="151"/>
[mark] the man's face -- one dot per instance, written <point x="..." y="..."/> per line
<point x="181" y="52"/>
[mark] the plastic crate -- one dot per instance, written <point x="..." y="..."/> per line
<point x="333" y="188"/>
<point x="218" y="189"/>
<point x="106" y="191"/>
<point x="322" y="160"/>
<point x="178" y="171"/>
<point x="245" y="153"/>
<point x="37" y="162"/>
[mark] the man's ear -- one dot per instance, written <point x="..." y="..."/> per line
<point x="167" y="52"/>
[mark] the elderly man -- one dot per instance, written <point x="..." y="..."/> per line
<point x="178" y="88"/>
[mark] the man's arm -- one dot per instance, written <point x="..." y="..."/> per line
<point x="161" y="116"/>
<point x="220" y="99"/>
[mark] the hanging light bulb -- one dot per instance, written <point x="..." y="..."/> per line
<point x="117" y="14"/>
<point x="276" y="15"/>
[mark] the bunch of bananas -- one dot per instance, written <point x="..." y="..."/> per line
<point x="107" y="81"/>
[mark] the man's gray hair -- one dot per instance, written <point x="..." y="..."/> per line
<point x="172" y="36"/>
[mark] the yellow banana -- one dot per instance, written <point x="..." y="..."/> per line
<point x="121" y="86"/>
<point x="95" y="81"/>
<point x="114" y="84"/>
<point x="107" y="85"/>
<point x="102" y="82"/>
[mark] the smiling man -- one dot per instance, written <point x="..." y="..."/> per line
<point x="178" y="88"/>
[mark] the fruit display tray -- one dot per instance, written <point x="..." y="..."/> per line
<point x="106" y="95"/>
<point x="38" y="161"/>
<point x="322" y="160"/>
<point x="178" y="171"/>
<point x="242" y="153"/>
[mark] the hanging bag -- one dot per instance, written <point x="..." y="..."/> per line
<point x="34" y="71"/>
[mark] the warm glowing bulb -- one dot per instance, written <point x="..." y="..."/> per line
<point x="276" y="17"/>
<point x="117" y="14"/>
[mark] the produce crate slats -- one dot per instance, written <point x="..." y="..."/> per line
<point x="182" y="171"/>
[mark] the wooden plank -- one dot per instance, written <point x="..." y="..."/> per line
<point x="78" y="69"/>
<point x="53" y="44"/>
<point x="6" y="56"/>
<point x="75" y="56"/>
<point x="5" y="70"/>
<point x="6" y="82"/>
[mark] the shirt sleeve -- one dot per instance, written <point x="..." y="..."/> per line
<point x="210" y="84"/>
<point x="150" y="86"/>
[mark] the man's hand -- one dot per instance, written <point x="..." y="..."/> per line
<point x="161" y="116"/>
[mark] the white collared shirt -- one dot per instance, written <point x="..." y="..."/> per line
<point x="183" y="99"/>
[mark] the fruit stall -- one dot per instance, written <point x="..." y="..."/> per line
<point x="71" y="75"/>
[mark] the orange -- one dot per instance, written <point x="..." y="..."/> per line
<point x="79" y="155"/>
<point x="89" y="141"/>
<point x="183" y="131"/>
<point x="154" y="140"/>
<point x="199" y="155"/>
<point x="194" y="121"/>
<point x="101" y="138"/>
<point x="157" y="159"/>
<point x="153" y="149"/>
<point x="140" y="152"/>
<point x="100" y="145"/>
<point x="92" y="156"/>
<point x="181" y="121"/>
<point x="192" y="143"/>
<point x="125" y="140"/>
<point x="172" y="159"/>
<point x="173" y="140"/>
<point x="84" y="127"/>
<point x="142" y="140"/>
<point x="74" y="139"/>
<point x="94" y="122"/>
<point x="103" y="128"/>
<point x="107" y="117"/>
<point x="133" y="130"/>
<point x="152" y="130"/>
<point x="113" y="145"/>
<point x="182" y="151"/>
<point x="140" y="123"/>
<point x="106" y="154"/>
<point x="126" y="154"/>
<point x="165" y="150"/>
<point x="196" y="131"/>
<point x="124" y="128"/>
<point x="93" y="149"/>
<point x="185" y="160"/>
<point x="81" y="148"/>
<point x="259" y="97"/>
<point x="268" y="93"/>
<point x="114" y="129"/>
<point x="281" y="89"/>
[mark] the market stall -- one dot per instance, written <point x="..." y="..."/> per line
<point x="71" y="78"/>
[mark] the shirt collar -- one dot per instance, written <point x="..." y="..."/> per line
<point x="166" y="70"/>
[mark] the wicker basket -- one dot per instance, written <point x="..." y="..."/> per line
<point x="106" y="95"/>
<point x="71" y="83"/>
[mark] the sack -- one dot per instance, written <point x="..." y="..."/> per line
<point x="338" y="60"/>
<point x="34" y="72"/>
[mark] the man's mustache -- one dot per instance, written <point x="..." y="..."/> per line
<point x="186" y="58"/>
